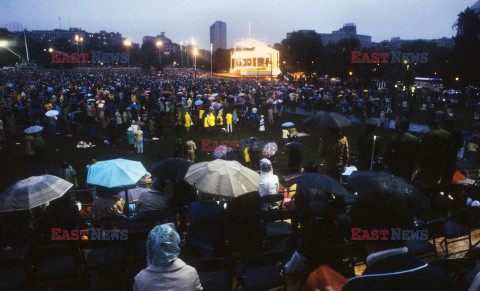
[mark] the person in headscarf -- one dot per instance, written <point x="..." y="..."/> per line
<point x="108" y="203"/>
<point x="165" y="271"/>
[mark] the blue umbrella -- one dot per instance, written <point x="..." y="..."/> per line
<point x="198" y="102"/>
<point x="33" y="129"/>
<point x="49" y="89"/>
<point x="288" y="124"/>
<point x="115" y="173"/>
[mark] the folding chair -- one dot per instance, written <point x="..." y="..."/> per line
<point x="215" y="274"/>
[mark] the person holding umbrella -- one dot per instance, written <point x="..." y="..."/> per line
<point x="334" y="152"/>
<point x="269" y="184"/>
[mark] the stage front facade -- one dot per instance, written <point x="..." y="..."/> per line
<point x="254" y="58"/>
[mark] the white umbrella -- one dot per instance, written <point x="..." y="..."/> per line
<point x="32" y="192"/>
<point x="225" y="178"/>
<point x="52" y="113"/>
<point x="33" y="129"/>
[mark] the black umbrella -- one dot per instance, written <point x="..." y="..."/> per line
<point x="327" y="120"/>
<point x="316" y="181"/>
<point x="172" y="169"/>
<point x="294" y="145"/>
<point x="364" y="181"/>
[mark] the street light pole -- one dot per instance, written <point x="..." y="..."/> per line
<point x="81" y="41"/>
<point x="128" y="43"/>
<point x="77" y="40"/>
<point x="211" y="59"/>
<point x="195" y="52"/>
<point x="159" y="45"/>
<point x="188" y="66"/>
<point x="181" y="51"/>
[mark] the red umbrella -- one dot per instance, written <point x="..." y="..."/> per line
<point x="138" y="123"/>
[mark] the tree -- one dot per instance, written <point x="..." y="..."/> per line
<point x="301" y="52"/>
<point x="465" y="61"/>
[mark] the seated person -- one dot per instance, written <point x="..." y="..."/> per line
<point x="389" y="264"/>
<point x="108" y="203"/>
<point x="269" y="184"/>
<point x="154" y="199"/>
<point x="62" y="213"/>
<point x="165" y="271"/>
<point x="206" y="223"/>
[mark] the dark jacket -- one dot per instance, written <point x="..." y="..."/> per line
<point x="437" y="150"/>
<point x="403" y="155"/>
<point x="401" y="272"/>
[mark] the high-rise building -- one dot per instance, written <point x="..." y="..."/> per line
<point x="348" y="30"/>
<point x="218" y="35"/>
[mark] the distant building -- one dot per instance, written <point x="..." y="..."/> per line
<point x="97" y="39"/>
<point x="50" y="37"/>
<point x="168" y="47"/>
<point x="218" y="35"/>
<point x="396" y="43"/>
<point x="303" y="31"/>
<point x="348" y="30"/>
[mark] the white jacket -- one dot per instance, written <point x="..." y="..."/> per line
<point x="269" y="183"/>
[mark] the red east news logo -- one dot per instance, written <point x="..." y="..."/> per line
<point x="62" y="58"/>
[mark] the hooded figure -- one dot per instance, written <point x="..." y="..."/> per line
<point x="262" y="124"/>
<point x="164" y="270"/>
<point x="269" y="184"/>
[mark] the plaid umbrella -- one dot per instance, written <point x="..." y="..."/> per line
<point x="32" y="192"/>
<point x="270" y="149"/>
<point x="220" y="151"/>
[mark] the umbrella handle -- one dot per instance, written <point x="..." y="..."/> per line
<point x="373" y="152"/>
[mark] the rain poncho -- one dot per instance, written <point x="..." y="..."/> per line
<point x="163" y="245"/>
<point x="269" y="184"/>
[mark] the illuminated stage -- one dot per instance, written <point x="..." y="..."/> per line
<point x="254" y="58"/>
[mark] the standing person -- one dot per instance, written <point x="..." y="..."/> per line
<point x="131" y="139"/>
<point x="38" y="146"/>
<point x="270" y="116"/>
<point x="219" y="122"/>
<point x="118" y="118"/>
<point x="11" y="128"/>
<point x="206" y="125"/>
<point x="28" y="146"/>
<point x="177" y="152"/>
<point x="437" y="148"/>
<point x="404" y="153"/>
<point x="211" y="121"/>
<point x="229" y="118"/>
<point x="191" y="148"/>
<point x="188" y="122"/>
<point x="457" y="143"/>
<point x="139" y="141"/>
<point x="335" y="153"/>
<point x="369" y="144"/>
<point x="2" y="131"/>
<point x="262" y="124"/>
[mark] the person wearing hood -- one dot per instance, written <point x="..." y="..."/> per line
<point x="269" y="184"/>
<point x="131" y="139"/>
<point x="188" y="122"/>
<point x="165" y="271"/>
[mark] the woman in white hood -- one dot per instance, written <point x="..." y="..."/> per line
<point x="269" y="184"/>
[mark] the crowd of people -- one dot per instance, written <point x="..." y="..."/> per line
<point x="108" y="105"/>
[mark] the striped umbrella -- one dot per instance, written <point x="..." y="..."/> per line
<point x="32" y="192"/>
